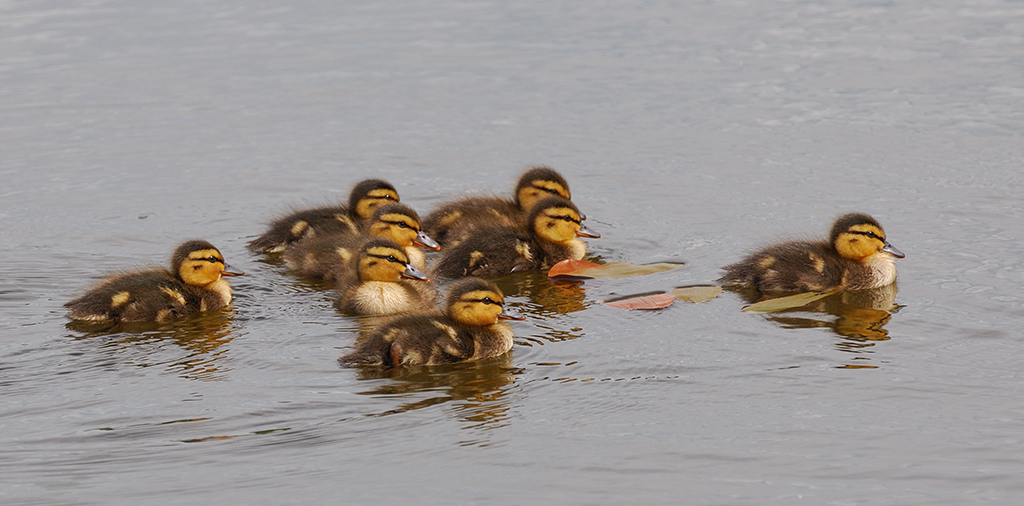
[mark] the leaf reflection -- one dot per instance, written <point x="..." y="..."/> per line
<point x="199" y="343"/>
<point x="859" y="317"/>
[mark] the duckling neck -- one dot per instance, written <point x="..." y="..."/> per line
<point x="875" y="271"/>
<point x="556" y="252"/>
<point x="382" y="297"/>
<point x="215" y="295"/>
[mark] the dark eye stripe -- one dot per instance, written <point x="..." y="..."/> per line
<point x="213" y="260"/>
<point x="869" y="234"/>
<point x="389" y="258"/>
<point x="485" y="300"/>
<point x="400" y="224"/>
<point x="549" y="190"/>
<point x="566" y="218"/>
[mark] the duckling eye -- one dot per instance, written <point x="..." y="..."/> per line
<point x="399" y="224"/>
<point x="549" y="190"/>
<point x="567" y="218"/>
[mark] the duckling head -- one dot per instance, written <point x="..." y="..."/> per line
<point x="401" y="224"/>
<point x="858" y="237"/>
<point x="370" y="194"/>
<point x="199" y="263"/>
<point x="540" y="182"/>
<point x="476" y="302"/>
<point x="382" y="259"/>
<point x="557" y="220"/>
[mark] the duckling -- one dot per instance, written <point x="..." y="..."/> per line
<point x="453" y="222"/>
<point x="555" y="224"/>
<point x="328" y="256"/>
<point x="467" y="329"/>
<point x="193" y="284"/>
<point x="377" y="282"/>
<point x="856" y="257"/>
<point x="365" y="197"/>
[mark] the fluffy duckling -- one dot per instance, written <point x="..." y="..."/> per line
<point x="856" y="257"/>
<point x="467" y="329"/>
<point x="377" y="283"/>
<point x="366" y="196"/>
<point x="328" y="256"/>
<point x="453" y="222"/>
<point x="193" y="284"/>
<point x="554" y="225"/>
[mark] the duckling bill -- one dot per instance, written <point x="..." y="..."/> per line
<point x="856" y="256"/>
<point x="195" y="283"/>
<point x="468" y="329"/>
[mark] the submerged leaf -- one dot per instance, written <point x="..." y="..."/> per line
<point x="655" y="301"/>
<point x="787" y="302"/>
<point x="582" y="269"/>
<point x="698" y="293"/>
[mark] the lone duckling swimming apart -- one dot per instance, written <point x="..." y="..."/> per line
<point x="468" y="329"/>
<point x="193" y="284"/>
<point x="329" y="256"/>
<point x="382" y="282"/>
<point x="366" y="196"/>
<point x="453" y="222"/>
<point x="554" y="224"/>
<point x="856" y="257"/>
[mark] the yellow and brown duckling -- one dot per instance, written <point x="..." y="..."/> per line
<point x="329" y="256"/>
<point x="365" y="197"/>
<point x="856" y="257"/>
<point x="554" y="224"/>
<point x="195" y="283"/>
<point x="383" y="282"/>
<point x="467" y="329"/>
<point x="453" y="222"/>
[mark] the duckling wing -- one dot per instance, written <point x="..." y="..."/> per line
<point x="409" y="340"/>
<point x="490" y="252"/>
<point x="322" y="256"/>
<point x="454" y="222"/>
<point x="143" y="296"/>
<point x="288" y="229"/>
<point x="788" y="267"/>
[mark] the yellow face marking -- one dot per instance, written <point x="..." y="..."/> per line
<point x="538" y="189"/>
<point x="860" y="242"/>
<point x="381" y="263"/>
<point x="557" y="224"/>
<point x="478" y="308"/>
<point x="373" y="200"/>
<point x="202" y="267"/>
<point x="400" y="228"/>
<point x="119" y="298"/>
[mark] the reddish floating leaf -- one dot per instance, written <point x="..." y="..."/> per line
<point x="656" y="301"/>
<point x="582" y="269"/>
<point x="569" y="267"/>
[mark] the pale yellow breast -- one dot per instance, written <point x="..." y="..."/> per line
<point x="381" y="297"/>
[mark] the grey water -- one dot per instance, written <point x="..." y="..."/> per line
<point x="689" y="131"/>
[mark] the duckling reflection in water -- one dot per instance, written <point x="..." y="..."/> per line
<point x="453" y="222"/>
<point x="195" y="283"/>
<point x="859" y="316"/>
<point x="856" y="257"/>
<point x="466" y="330"/>
<point x="366" y="197"/>
<point x="554" y="226"/>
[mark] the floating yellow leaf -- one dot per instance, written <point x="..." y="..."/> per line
<point x="655" y="301"/>
<point x="581" y="269"/>
<point x="697" y="293"/>
<point x="787" y="302"/>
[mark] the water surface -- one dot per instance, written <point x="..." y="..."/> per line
<point x="689" y="132"/>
